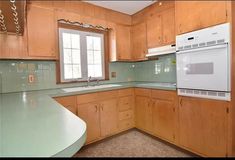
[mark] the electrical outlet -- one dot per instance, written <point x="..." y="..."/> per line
<point x="113" y="74"/>
<point x="31" y="78"/>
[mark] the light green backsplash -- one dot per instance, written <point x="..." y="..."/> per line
<point x="14" y="74"/>
<point x="161" y="70"/>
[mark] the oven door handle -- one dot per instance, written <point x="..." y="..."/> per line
<point x="203" y="49"/>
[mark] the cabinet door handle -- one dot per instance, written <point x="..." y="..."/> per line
<point x="181" y="102"/>
<point x="96" y="108"/>
<point x="101" y="106"/>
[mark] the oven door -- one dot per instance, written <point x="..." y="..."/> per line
<point x="205" y="68"/>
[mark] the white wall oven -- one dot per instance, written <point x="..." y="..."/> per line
<point x="203" y="63"/>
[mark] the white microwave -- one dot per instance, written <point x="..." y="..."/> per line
<point x="203" y="63"/>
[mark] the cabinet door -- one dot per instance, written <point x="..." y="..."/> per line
<point x="41" y="32"/>
<point x="203" y="126"/>
<point x="68" y="102"/>
<point x="108" y="117"/>
<point x="194" y="15"/>
<point x="123" y="34"/>
<point x="164" y="119"/>
<point x="90" y="114"/>
<point x="154" y="31"/>
<point x="143" y="113"/>
<point x="139" y="41"/>
<point x="168" y="26"/>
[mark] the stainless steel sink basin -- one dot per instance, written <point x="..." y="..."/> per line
<point x="84" y="88"/>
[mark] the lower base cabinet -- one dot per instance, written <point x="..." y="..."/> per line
<point x="164" y="119"/>
<point x="198" y="125"/>
<point x="204" y="126"/>
<point x="108" y="117"/>
<point x="90" y="114"/>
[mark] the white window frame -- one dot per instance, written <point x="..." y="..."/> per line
<point x="83" y="56"/>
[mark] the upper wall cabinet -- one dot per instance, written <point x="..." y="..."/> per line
<point x="120" y="43"/>
<point x="41" y="32"/>
<point x="195" y="15"/>
<point x="139" y="41"/>
<point x="161" y="28"/>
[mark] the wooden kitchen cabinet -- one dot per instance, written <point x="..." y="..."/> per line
<point x="164" y="114"/>
<point x="139" y="41"/>
<point x="204" y="126"/>
<point x="126" y="101"/>
<point x="99" y="111"/>
<point x="69" y="102"/>
<point x="108" y="117"/>
<point x="143" y="110"/>
<point x="195" y="15"/>
<point x="161" y="28"/>
<point x="154" y="31"/>
<point x="123" y="41"/>
<point x="168" y="26"/>
<point x="41" y="26"/>
<point x="90" y="114"/>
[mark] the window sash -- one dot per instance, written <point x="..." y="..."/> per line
<point x="83" y="54"/>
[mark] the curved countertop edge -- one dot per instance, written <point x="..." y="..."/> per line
<point x="72" y="149"/>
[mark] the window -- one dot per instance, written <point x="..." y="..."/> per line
<point x="81" y="55"/>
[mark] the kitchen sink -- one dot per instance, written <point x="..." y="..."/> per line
<point x="85" y="88"/>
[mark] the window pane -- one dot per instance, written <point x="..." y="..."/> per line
<point x="75" y="41"/>
<point x="97" y="57"/>
<point x="90" y="71"/>
<point x="97" y="43"/>
<point x="66" y="40"/>
<point x="90" y="57"/>
<point x="76" y="56"/>
<point x="98" y="70"/>
<point x="68" y="72"/>
<point x="77" y="71"/>
<point x="95" y="70"/>
<point x="89" y="42"/>
<point x="67" y="56"/>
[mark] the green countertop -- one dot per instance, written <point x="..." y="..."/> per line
<point x="32" y="124"/>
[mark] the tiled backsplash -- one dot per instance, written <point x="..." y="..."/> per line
<point x="161" y="70"/>
<point x="14" y="74"/>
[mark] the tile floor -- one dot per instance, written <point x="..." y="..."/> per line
<point x="132" y="143"/>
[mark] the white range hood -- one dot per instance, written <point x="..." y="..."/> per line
<point x="161" y="50"/>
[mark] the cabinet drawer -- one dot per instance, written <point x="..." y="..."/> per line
<point x="125" y="103"/>
<point x="126" y="92"/>
<point x="166" y="95"/>
<point x="126" y="124"/>
<point x="87" y="98"/>
<point x="126" y="115"/>
<point x="142" y="92"/>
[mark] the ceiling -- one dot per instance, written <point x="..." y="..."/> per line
<point x="127" y="7"/>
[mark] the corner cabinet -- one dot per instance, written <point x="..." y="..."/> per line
<point x="204" y="126"/>
<point x="139" y="41"/>
<point x="195" y="15"/>
<point x="41" y="25"/>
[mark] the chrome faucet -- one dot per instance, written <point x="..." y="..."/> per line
<point x="88" y="81"/>
<point x="97" y="82"/>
